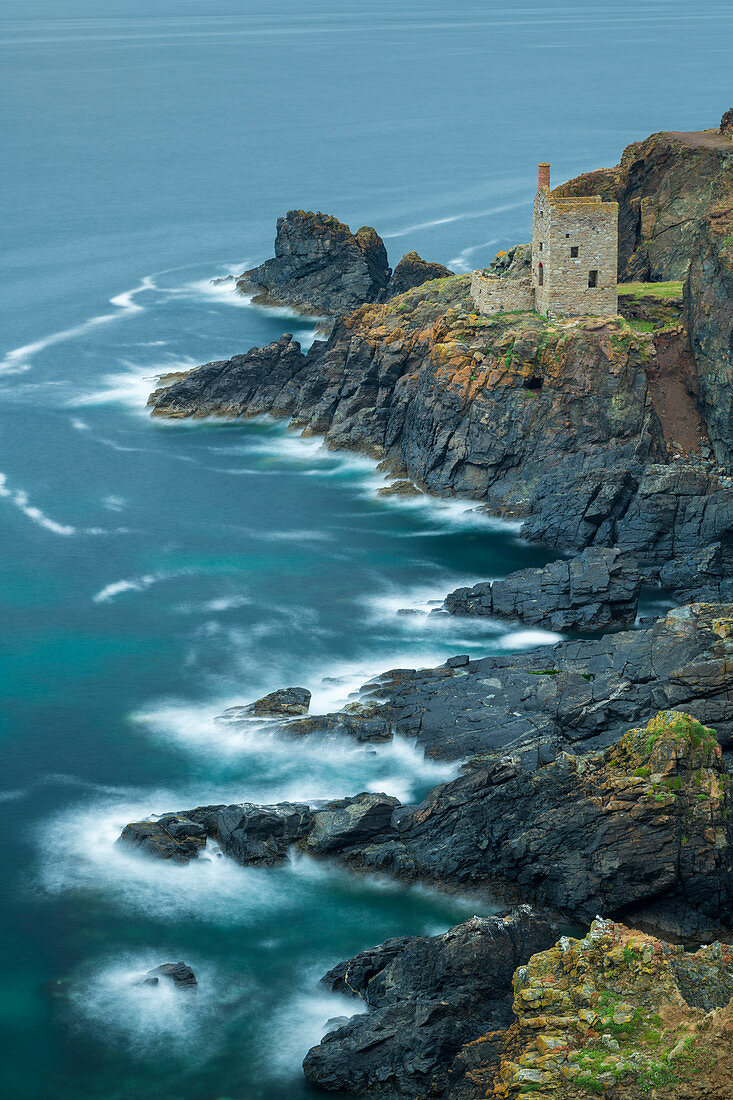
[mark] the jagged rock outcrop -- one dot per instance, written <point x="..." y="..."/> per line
<point x="427" y="997"/>
<point x="643" y="823"/>
<point x="413" y="271"/>
<point x="595" y="590"/>
<point x="514" y="263"/>
<point x="622" y="1014"/>
<point x="726" y="123"/>
<point x="319" y="266"/>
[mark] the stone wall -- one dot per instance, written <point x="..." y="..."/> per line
<point x="571" y="238"/>
<point x="494" y="294"/>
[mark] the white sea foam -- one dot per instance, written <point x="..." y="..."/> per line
<point x="153" y="1020"/>
<point x="20" y="359"/>
<point x="116" y="588"/>
<point x="460" y="262"/>
<point x="131" y="387"/>
<point x="19" y="498"/>
<point x="528" y="639"/>
<point x="301" y="1023"/>
<point x="457" y="218"/>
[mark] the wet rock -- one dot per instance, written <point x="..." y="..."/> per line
<point x="287" y="702"/>
<point x="352" y="976"/>
<point x="705" y="574"/>
<point x="595" y="590"/>
<point x="181" y="975"/>
<point x="249" y="833"/>
<point x="428" y="996"/>
<point x="413" y="271"/>
<point x="369" y="728"/>
<point x="172" y="836"/>
<point x="403" y="488"/>
<point x="350" y="821"/>
<point x="320" y="266"/>
<point x="645" y="820"/>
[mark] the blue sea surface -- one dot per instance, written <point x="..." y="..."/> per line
<point x="152" y="573"/>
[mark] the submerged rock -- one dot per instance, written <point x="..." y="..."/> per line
<point x="597" y="589"/>
<point x="622" y="1013"/>
<point x="181" y="975"/>
<point x="428" y="996"/>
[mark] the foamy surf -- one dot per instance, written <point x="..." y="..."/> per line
<point x="20" y="359"/>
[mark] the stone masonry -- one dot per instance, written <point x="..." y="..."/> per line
<point x="574" y="260"/>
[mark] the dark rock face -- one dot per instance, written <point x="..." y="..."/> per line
<point x="709" y="316"/>
<point x="181" y="975"/>
<point x="350" y="821"/>
<point x="413" y="271"/>
<point x="248" y="833"/>
<point x="705" y="574"/>
<point x="662" y="186"/>
<point x="428" y="996"/>
<point x="593" y="591"/>
<point x="598" y="833"/>
<point x="320" y="266"/>
<point x="172" y="836"/>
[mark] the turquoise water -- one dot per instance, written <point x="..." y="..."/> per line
<point x="152" y="573"/>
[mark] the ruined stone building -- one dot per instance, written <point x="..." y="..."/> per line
<point x="574" y="260"/>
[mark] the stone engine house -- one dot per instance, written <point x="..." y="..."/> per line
<point x="574" y="260"/>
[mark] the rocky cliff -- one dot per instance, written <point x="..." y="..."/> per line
<point x="561" y="422"/>
<point x="663" y="186"/>
<point x="320" y="267"/>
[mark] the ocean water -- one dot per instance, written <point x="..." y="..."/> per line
<point x="153" y="573"/>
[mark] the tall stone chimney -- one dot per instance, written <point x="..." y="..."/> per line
<point x="543" y="175"/>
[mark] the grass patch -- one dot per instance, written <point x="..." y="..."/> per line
<point x="671" y="289"/>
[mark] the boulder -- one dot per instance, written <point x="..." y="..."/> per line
<point x="172" y="836"/>
<point x="597" y="589"/>
<point x="514" y="263"/>
<point x="350" y="821"/>
<point x="428" y="996"/>
<point x="413" y="271"/>
<point x="181" y="975"/>
<point x="285" y="702"/>
<point x="320" y="266"/>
